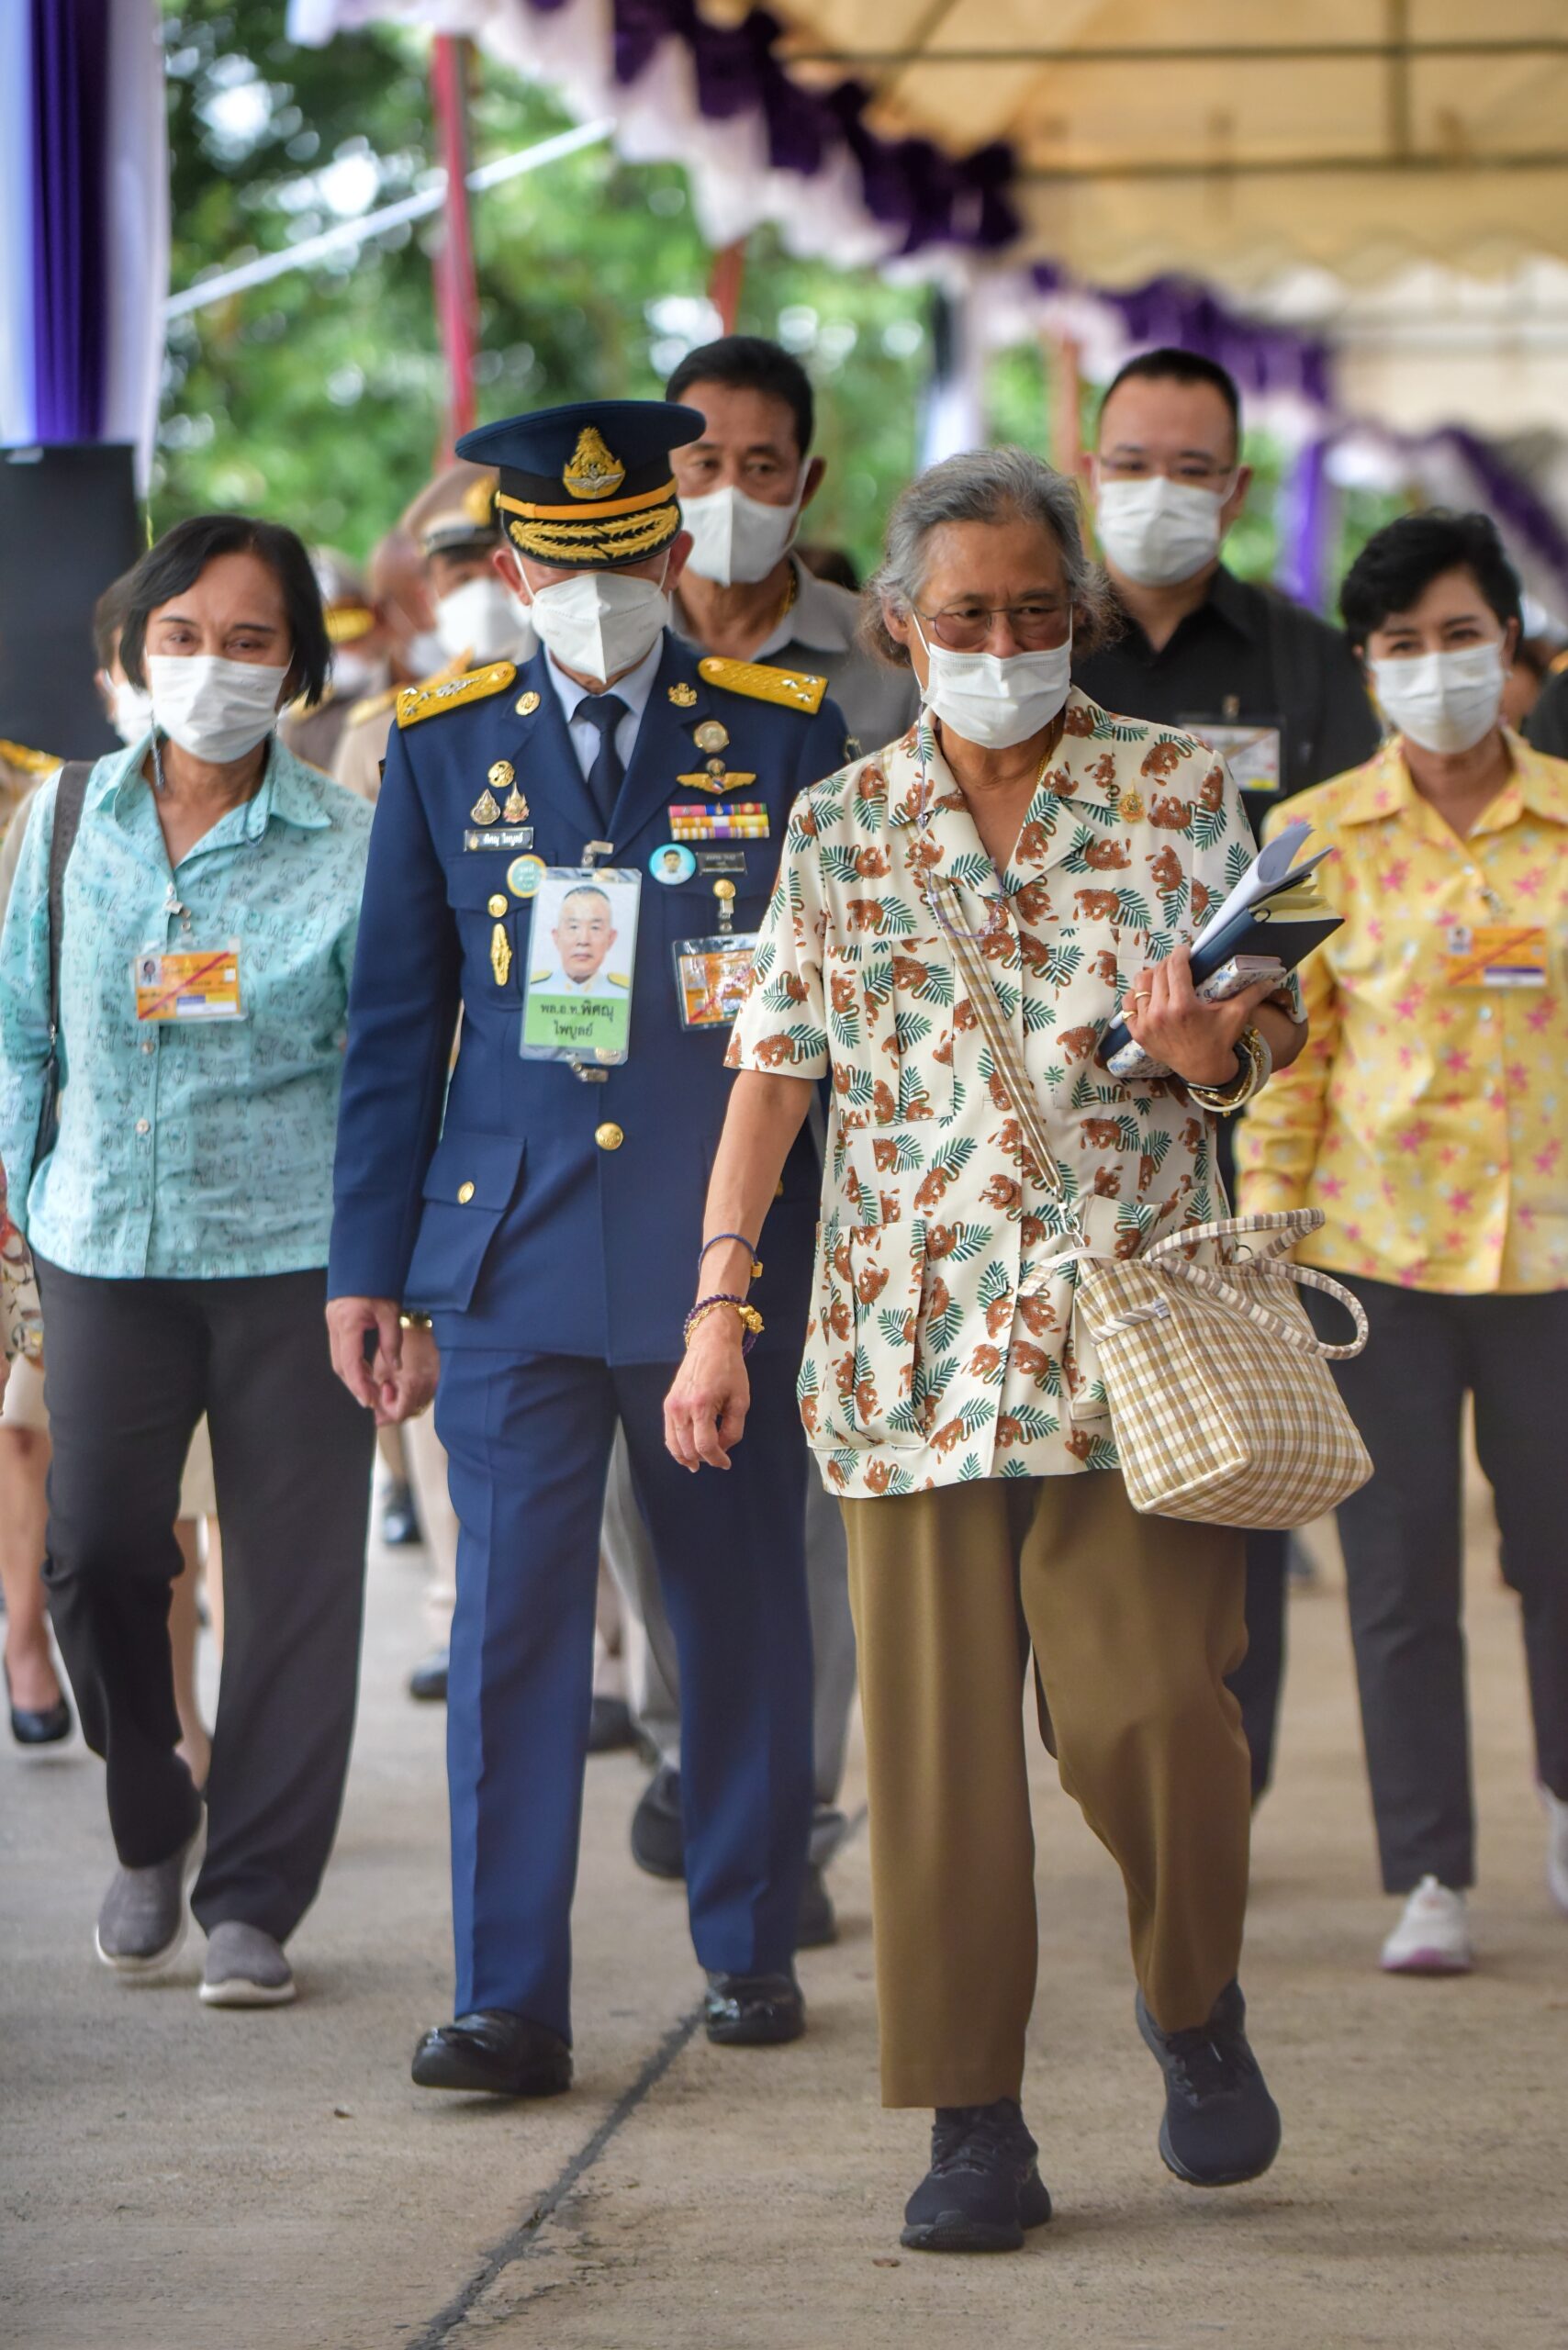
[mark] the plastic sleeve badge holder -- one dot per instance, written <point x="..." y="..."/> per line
<point x="191" y="983"/>
<point x="582" y="950"/>
<point x="712" y="974"/>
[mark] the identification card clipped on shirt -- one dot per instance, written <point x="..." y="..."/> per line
<point x="188" y="984"/>
<point x="712" y="976"/>
<point x="582" y="953"/>
<point x="1253" y="749"/>
<point x="1494" y="955"/>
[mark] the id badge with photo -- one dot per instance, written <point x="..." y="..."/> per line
<point x="712" y="976"/>
<point x="190" y="984"/>
<point x="1252" y="749"/>
<point x="582" y="954"/>
<point x="1494" y="955"/>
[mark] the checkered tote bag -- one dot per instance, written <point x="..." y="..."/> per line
<point x="1222" y="1403"/>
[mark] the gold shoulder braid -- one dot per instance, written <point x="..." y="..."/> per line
<point x="16" y="755"/>
<point x="429" y="701"/>
<point x="791" y="688"/>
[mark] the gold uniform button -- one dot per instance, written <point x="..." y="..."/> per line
<point x="465" y="1193"/>
<point x="498" y="905"/>
<point x="609" y="1136"/>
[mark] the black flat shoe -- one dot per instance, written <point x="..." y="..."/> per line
<point x="610" y="1726"/>
<point x="983" y="2187"/>
<point x="1220" y="2125"/>
<point x="754" y="2011"/>
<point x="818" y="1922"/>
<point x="658" y="1833"/>
<point x="428" y="1681"/>
<point x="494" y="2051"/>
<point x="399" y="1519"/>
<point x="39" y="1725"/>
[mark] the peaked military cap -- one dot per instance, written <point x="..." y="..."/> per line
<point x="588" y="486"/>
<point x="456" y="509"/>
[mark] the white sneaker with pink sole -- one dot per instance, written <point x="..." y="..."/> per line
<point x="1433" y="1933"/>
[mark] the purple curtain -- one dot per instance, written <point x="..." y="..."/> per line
<point x="71" y="133"/>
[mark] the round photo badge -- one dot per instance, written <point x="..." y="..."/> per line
<point x="523" y="875"/>
<point x="672" y="863"/>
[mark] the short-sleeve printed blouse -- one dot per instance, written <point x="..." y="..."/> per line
<point x="939" y="1345"/>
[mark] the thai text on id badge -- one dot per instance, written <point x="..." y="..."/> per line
<point x="582" y="953"/>
<point x="712" y="976"/>
<point x="1495" y="955"/>
<point x="189" y="984"/>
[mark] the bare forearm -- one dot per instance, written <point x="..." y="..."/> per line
<point x="1283" y="1035"/>
<point x="764" y="1116"/>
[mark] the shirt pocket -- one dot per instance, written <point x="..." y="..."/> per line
<point x="691" y="908"/>
<point x="1075" y="976"/>
<point x="870" y="1279"/>
<point x="889" y="1013"/>
<point x="479" y="895"/>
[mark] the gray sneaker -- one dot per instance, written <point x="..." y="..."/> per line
<point x="144" y="1919"/>
<point x="246" y="1968"/>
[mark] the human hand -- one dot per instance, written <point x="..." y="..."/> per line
<point x="705" y="1410"/>
<point x="413" y="1385"/>
<point x="350" y="1321"/>
<point x="1197" y="1041"/>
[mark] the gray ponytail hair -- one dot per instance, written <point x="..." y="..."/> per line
<point x="983" y="486"/>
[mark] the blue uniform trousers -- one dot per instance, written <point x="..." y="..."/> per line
<point x="529" y="1440"/>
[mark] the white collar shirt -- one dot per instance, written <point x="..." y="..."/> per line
<point x="633" y="688"/>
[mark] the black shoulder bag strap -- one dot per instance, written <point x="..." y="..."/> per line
<point x="70" y="791"/>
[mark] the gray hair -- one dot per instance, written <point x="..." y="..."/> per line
<point x="983" y="485"/>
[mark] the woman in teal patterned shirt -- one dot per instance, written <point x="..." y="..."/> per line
<point x="179" y="1223"/>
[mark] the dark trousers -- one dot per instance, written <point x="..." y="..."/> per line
<point x="527" y="1438"/>
<point x="131" y="1365"/>
<point x="1402" y="1537"/>
<point x="1255" y="1684"/>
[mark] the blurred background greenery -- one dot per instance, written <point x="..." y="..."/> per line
<point x="318" y="398"/>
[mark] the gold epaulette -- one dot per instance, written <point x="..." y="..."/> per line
<point x="16" y="755"/>
<point x="428" y="702"/>
<point x="791" y="688"/>
<point x="372" y="705"/>
<point x="1555" y="668"/>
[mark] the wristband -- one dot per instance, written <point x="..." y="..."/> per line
<point x="749" y="1245"/>
<point x="750" y="1320"/>
<point x="415" y="1322"/>
<point x="1257" y="1067"/>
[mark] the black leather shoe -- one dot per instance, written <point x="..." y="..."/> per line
<point x="39" y="1725"/>
<point x="399" y="1519"/>
<point x="659" y="1837"/>
<point x="1221" y="2126"/>
<point x="983" y="2187"/>
<point x="610" y="1726"/>
<point x="754" y="2011"/>
<point x="819" y="1925"/>
<point x="428" y="1681"/>
<point x="493" y="2050"/>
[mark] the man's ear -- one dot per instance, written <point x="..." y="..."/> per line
<point x="814" y="471"/>
<point x="1237" y="499"/>
<point x="679" y="548"/>
<point x="509" y="571"/>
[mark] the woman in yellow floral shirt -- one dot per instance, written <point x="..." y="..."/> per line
<point x="1428" y="1120"/>
<point x="958" y="917"/>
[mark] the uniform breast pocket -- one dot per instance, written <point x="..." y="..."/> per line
<point x="694" y="906"/>
<point x="493" y="921"/>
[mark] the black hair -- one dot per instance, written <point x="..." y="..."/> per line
<point x="1170" y="365"/>
<point x="182" y="556"/>
<point x="1399" y="562"/>
<point x="108" y="619"/>
<point x="749" y="362"/>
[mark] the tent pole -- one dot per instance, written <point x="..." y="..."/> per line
<point x="725" y="282"/>
<point x="456" y="286"/>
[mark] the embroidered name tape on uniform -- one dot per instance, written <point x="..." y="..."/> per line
<point x="743" y="820"/>
<point x="428" y="702"/>
<point x="791" y="688"/>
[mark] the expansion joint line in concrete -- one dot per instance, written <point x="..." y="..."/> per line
<point x="524" y="2238"/>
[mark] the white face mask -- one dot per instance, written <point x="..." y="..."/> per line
<point x="996" y="700"/>
<point x="1443" y="701"/>
<point x="479" y="620"/>
<point x="600" y="624"/>
<point x="214" y="708"/>
<point x="352" y="672"/>
<point x="131" y="711"/>
<point x="423" y="653"/>
<point x="737" y="538"/>
<point x="1158" y="531"/>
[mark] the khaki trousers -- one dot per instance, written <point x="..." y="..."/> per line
<point x="1135" y="1623"/>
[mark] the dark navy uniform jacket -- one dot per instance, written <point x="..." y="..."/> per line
<point x="508" y="1219"/>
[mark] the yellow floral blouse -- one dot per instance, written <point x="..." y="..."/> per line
<point x="939" y="1346"/>
<point x="1428" y="1115"/>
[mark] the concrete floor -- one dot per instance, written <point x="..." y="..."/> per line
<point x="175" y="2179"/>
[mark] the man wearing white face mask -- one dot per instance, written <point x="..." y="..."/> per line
<point x="535" y="1221"/>
<point x="1428" y="1120"/>
<point x="359" y="662"/>
<point x="1271" y="686"/>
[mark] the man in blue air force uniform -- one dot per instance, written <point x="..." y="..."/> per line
<point x="546" y="1214"/>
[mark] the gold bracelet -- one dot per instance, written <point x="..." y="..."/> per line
<point x="1258" y="1067"/>
<point x="750" y="1320"/>
<point x="415" y="1322"/>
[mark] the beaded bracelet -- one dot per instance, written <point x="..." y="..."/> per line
<point x="750" y="1246"/>
<point x="750" y="1320"/>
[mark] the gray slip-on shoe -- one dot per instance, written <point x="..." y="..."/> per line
<point x="143" y="1918"/>
<point x="246" y="1968"/>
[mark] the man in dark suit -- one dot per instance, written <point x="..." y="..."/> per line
<point x="537" y="1222"/>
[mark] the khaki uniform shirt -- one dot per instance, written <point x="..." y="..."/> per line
<point x="939" y="1345"/>
<point x="818" y="634"/>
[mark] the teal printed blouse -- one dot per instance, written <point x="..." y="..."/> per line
<point x="194" y="1149"/>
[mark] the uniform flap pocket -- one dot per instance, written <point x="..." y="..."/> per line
<point x="472" y="880"/>
<point x="474" y="1171"/>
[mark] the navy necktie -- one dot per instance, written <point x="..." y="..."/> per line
<point x="604" y="711"/>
